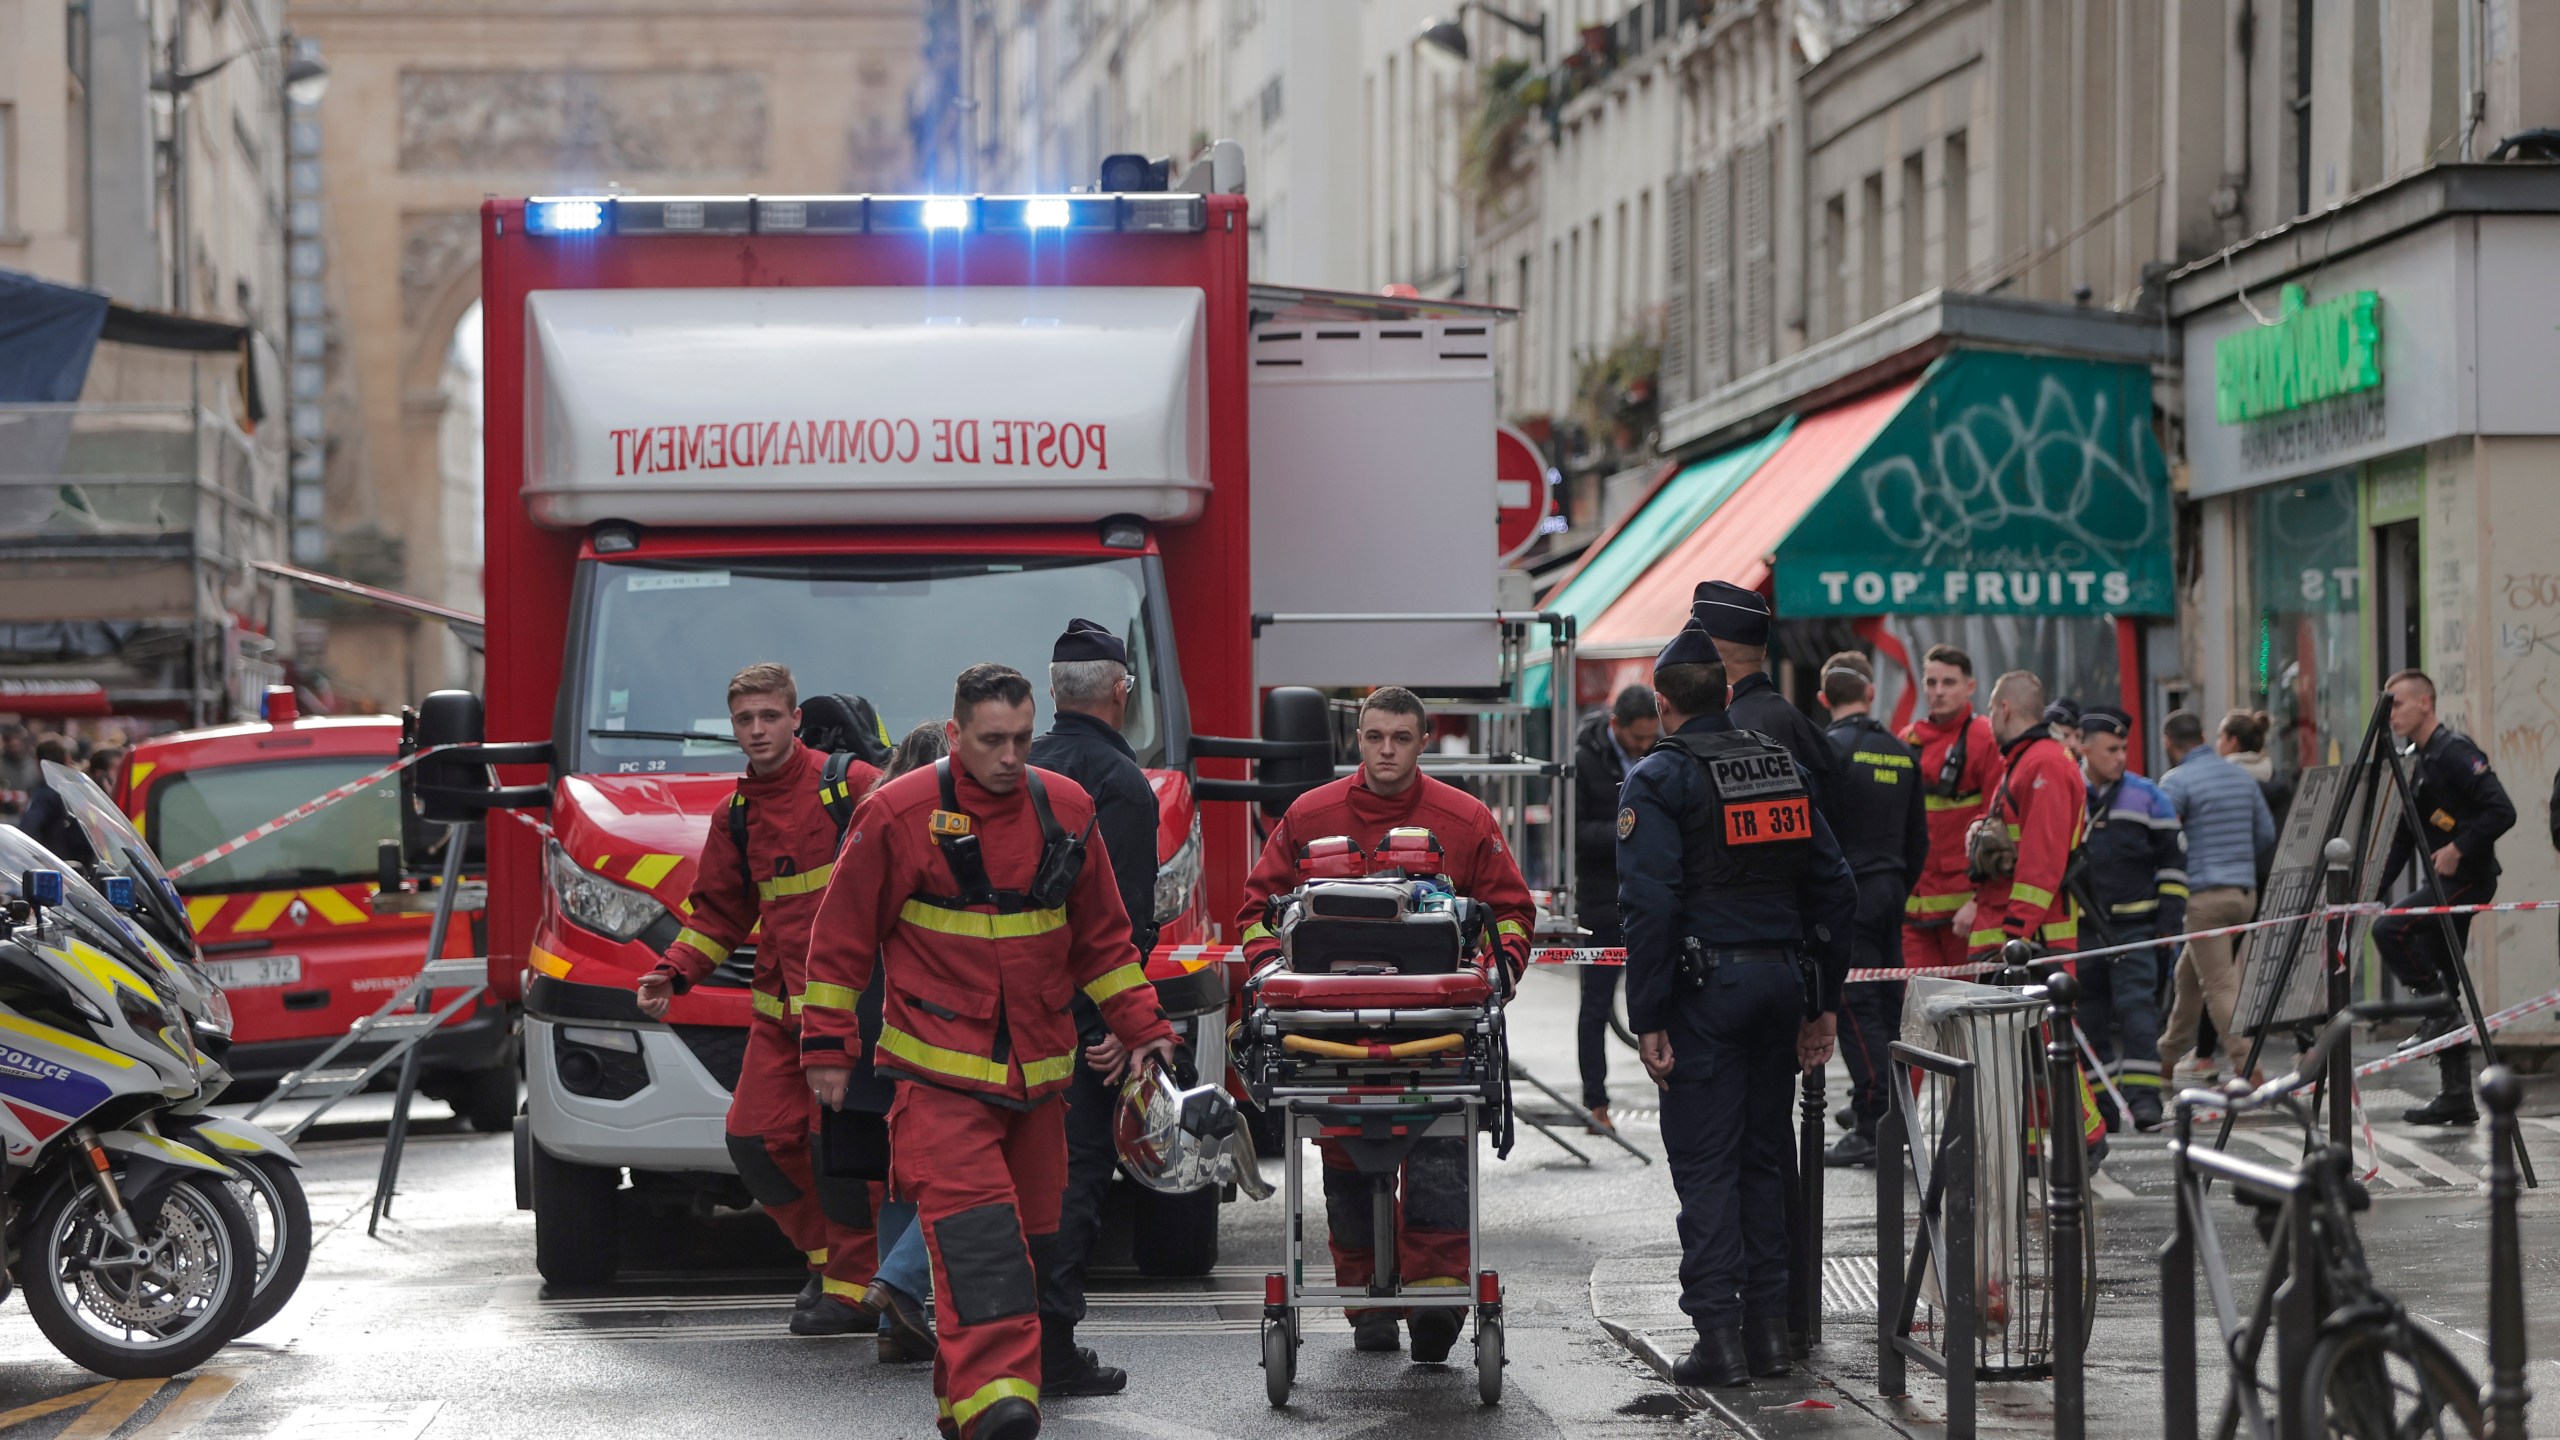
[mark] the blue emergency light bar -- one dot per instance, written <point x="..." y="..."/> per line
<point x="1139" y="214"/>
<point x="119" y="890"/>
<point x="42" y="888"/>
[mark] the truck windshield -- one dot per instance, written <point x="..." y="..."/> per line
<point x="661" y="639"/>
<point x="193" y="811"/>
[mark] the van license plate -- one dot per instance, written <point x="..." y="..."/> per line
<point x="255" y="972"/>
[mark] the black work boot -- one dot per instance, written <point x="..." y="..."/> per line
<point x="1857" y="1149"/>
<point x="2452" y="1105"/>
<point x="908" y="1337"/>
<point x="1375" y="1331"/>
<point x="1067" y="1368"/>
<point x="1718" y="1361"/>
<point x="1011" y="1418"/>
<point x="811" y="1292"/>
<point x="1435" y="1331"/>
<point x="834" y="1315"/>
<point x="1764" y="1344"/>
<point x="2429" y="1028"/>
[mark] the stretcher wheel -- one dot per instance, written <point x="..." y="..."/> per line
<point x="1488" y="1358"/>
<point x="1279" y="1359"/>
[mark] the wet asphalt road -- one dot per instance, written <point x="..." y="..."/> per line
<point x="438" y="1326"/>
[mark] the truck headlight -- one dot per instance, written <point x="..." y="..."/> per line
<point x="599" y="904"/>
<point x="1178" y="879"/>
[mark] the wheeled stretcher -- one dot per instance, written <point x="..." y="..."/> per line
<point x="1380" y="1026"/>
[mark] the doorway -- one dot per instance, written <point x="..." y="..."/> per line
<point x="2396" y="566"/>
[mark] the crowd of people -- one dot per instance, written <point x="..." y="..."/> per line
<point x="29" y="803"/>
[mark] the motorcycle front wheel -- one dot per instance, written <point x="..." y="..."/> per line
<point x="270" y="1194"/>
<point x="151" y="1315"/>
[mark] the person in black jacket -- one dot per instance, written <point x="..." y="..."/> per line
<point x="47" y="820"/>
<point x="1089" y="681"/>
<point x="1885" y="834"/>
<point x="1608" y="744"/>
<point x="1739" y="619"/>
<point x="2463" y="809"/>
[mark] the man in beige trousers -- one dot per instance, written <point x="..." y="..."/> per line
<point x="2228" y="827"/>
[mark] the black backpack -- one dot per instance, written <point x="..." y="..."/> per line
<point x="846" y="728"/>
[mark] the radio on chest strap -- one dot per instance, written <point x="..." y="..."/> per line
<point x="1061" y="854"/>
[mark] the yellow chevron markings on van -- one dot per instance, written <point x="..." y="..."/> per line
<point x="648" y="870"/>
<point x="202" y="908"/>
<point x="334" y="907"/>
<point x="262" y="911"/>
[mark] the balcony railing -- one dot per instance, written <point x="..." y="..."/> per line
<point x="131" y="482"/>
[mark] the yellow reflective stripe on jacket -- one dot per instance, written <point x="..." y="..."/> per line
<point x="966" y="1410"/>
<point x="1113" y="982"/>
<point x="1255" y="931"/>
<point x="712" y="950"/>
<point x="770" y="1006"/>
<point x="801" y="884"/>
<point x="2135" y="907"/>
<point x="1947" y="904"/>
<point x="1510" y="927"/>
<point x="2035" y="895"/>
<point x="1041" y="1072"/>
<point x="2174" y="889"/>
<point x="981" y="926"/>
<point x="829" y="997"/>
<point x="958" y="1064"/>
<point x="1960" y="802"/>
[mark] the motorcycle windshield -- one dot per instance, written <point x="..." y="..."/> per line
<point x="120" y="850"/>
<point x="86" y="916"/>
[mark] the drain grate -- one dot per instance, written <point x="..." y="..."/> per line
<point x="1849" y="1287"/>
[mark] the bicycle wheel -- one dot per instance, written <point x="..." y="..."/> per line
<point x="2387" y="1382"/>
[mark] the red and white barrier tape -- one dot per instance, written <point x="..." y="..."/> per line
<point x="303" y="811"/>
<point x="2498" y="1021"/>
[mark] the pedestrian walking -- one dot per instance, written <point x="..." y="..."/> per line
<point x="1738" y="905"/>
<point x="769" y="888"/>
<point x="969" y="884"/>
<point x="2463" y="807"/>
<point x="1884" y="832"/>
<point x="2136" y="866"/>
<point x="1605" y="748"/>
<point x="2227" y="825"/>
<point x="1960" y="766"/>
<point x="1089" y="685"/>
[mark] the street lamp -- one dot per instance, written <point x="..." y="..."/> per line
<point x="1451" y="34"/>
<point x="306" y="76"/>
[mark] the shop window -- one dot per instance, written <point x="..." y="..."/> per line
<point x="2301" y="660"/>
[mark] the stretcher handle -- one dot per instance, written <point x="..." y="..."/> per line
<point x="1402" y="1050"/>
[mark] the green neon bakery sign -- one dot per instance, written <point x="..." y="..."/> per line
<point x="2314" y="353"/>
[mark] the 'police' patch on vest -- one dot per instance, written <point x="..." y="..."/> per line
<point x="1766" y="822"/>
<point x="1766" y="772"/>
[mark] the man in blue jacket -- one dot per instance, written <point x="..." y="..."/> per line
<point x="2228" y="826"/>
<point x="2137" y="884"/>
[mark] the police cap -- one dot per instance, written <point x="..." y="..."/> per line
<point x="1730" y="613"/>
<point x="1085" y="640"/>
<point x="1692" y="646"/>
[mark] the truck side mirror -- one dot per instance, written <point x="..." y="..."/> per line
<point x="1298" y="714"/>
<point x="444" y="785"/>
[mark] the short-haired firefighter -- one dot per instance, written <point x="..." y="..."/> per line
<point x="776" y="880"/>
<point x="1388" y="793"/>
<point x="971" y="891"/>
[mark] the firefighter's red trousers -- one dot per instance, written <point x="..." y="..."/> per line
<point x="1431" y="1215"/>
<point x="1928" y="946"/>
<point x="771" y="1118"/>
<point x="986" y="1180"/>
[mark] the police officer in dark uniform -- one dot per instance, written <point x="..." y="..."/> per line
<point x="2463" y="810"/>
<point x="1884" y="831"/>
<point x="1739" y="621"/>
<point x="1089" y="683"/>
<point x="1736" y="903"/>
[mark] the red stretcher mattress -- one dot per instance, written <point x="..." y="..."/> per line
<point x="1293" y="991"/>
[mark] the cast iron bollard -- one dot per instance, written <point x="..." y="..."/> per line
<point x="2505" y="1396"/>
<point x="1807" y="1301"/>
<point x="2339" y="1088"/>
<point x="2062" y="1206"/>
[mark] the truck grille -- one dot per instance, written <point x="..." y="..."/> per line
<point x="722" y="1049"/>
<point x="737" y="972"/>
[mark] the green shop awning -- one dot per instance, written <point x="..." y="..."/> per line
<point x="1622" y="557"/>
<point x="2008" y="485"/>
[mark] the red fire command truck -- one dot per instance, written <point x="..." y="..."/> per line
<point x="288" y="925"/>
<point x="881" y="438"/>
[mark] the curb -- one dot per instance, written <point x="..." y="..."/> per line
<point x="1642" y="1347"/>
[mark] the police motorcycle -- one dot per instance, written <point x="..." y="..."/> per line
<point x="266" y="1177"/>
<point x="134" y="1256"/>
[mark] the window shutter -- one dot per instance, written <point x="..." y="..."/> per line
<point x="1715" y="276"/>
<point x="1757" y="243"/>
<point x="1679" y="308"/>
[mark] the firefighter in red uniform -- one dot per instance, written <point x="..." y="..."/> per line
<point x="1390" y="793"/>
<point x="2039" y="809"/>
<point x="1959" y="766"/>
<point x="790" y="851"/>
<point x="973" y="885"/>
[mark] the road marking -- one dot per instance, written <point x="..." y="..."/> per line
<point x="112" y="1409"/>
<point x="2108" y="1187"/>
<point x="2427" y="1160"/>
<point x="193" y="1405"/>
<point x="54" y="1406"/>
<point x="2391" y="1174"/>
<point x="377" y="1421"/>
